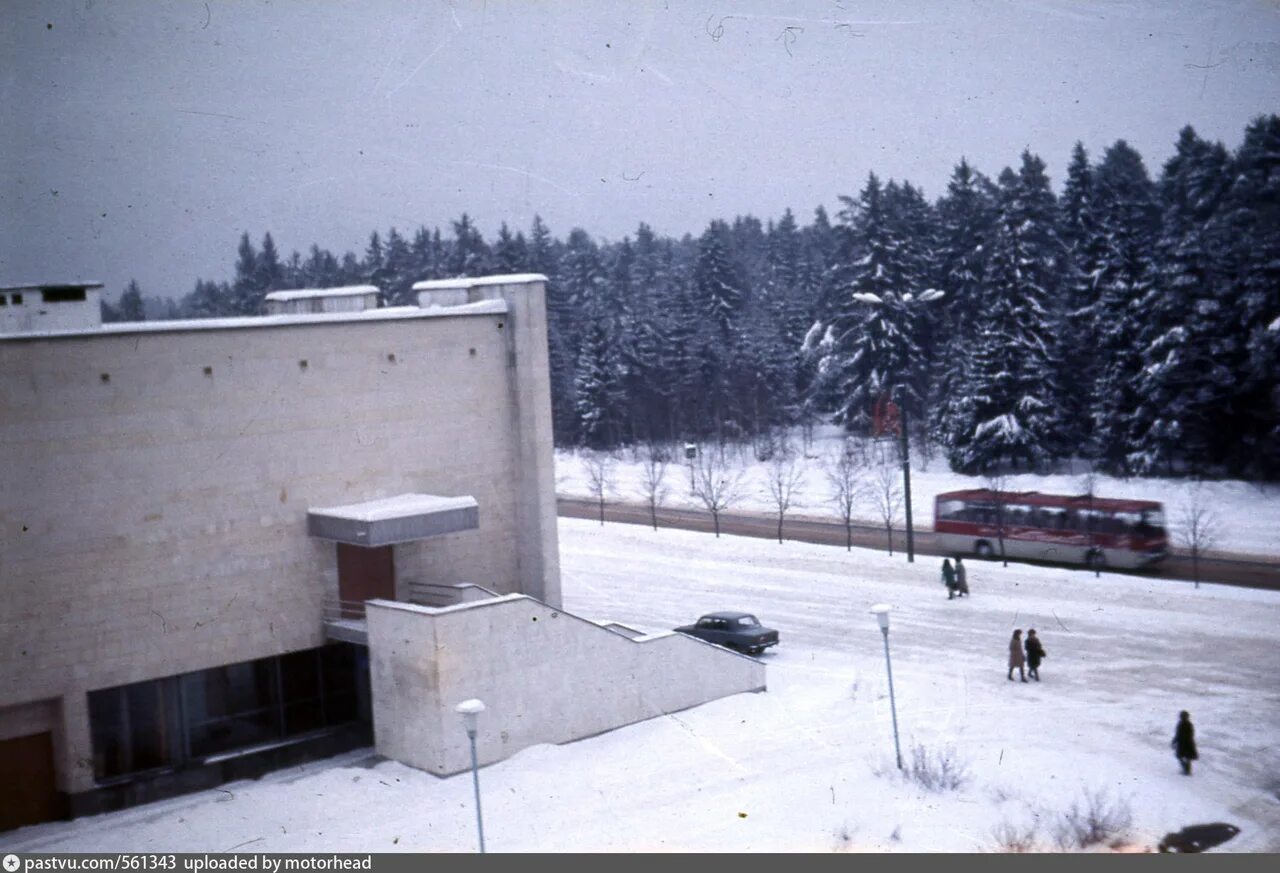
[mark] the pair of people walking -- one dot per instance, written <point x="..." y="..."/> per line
<point x="955" y="578"/>
<point x="1025" y="656"/>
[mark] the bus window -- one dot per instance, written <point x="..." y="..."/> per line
<point x="951" y="509"/>
<point x="1151" y="523"/>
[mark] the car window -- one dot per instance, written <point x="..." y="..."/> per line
<point x="748" y="621"/>
<point x="706" y="622"/>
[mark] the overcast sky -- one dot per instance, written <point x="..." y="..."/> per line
<point x="139" y="139"/>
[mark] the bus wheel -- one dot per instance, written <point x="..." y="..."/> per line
<point x="1095" y="560"/>
<point x="983" y="550"/>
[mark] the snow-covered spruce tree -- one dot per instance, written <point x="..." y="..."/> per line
<point x="374" y="265"/>
<point x="1009" y="407"/>
<point x="245" y="295"/>
<point x="1077" y="334"/>
<point x="544" y="257"/>
<point x="1182" y="387"/>
<point x="131" y="307"/>
<point x="268" y="274"/>
<point x="510" y="251"/>
<point x="424" y="255"/>
<point x="320" y="269"/>
<point x="468" y="255"/>
<point x="399" y="273"/>
<point x="1250" y="229"/>
<point x="647" y="383"/>
<point x="965" y="215"/>
<point x="872" y="351"/>
<point x="718" y="287"/>
<point x="597" y="386"/>
<point x="719" y="297"/>
<point x="1128" y="219"/>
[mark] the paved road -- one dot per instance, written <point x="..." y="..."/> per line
<point x="1243" y="570"/>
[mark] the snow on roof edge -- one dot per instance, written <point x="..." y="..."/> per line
<point x="478" y="281"/>
<point x="304" y="293"/>
<point x="389" y="313"/>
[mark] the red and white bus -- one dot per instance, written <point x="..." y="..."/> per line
<point x="1095" y="531"/>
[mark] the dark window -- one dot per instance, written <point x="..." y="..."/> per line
<point x="63" y="295"/>
<point x="341" y="670"/>
<point x="231" y="707"/>
<point x="17" y="300"/>
<point x="179" y="720"/>
<point x="301" y="692"/>
<point x="4" y="299"/>
<point x="132" y="728"/>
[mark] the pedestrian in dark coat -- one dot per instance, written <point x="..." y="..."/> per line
<point x="1016" y="658"/>
<point x="949" y="578"/>
<point x="962" y="578"/>
<point x="1184" y="742"/>
<point x="1035" y="654"/>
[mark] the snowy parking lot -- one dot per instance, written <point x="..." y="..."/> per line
<point x="809" y="764"/>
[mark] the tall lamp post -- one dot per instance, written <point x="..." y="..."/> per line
<point x="881" y="612"/>
<point x="470" y="711"/>
<point x="904" y="449"/>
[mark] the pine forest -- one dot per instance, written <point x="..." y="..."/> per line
<point x="1128" y="320"/>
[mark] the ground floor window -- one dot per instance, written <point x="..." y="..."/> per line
<point x="182" y="720"/>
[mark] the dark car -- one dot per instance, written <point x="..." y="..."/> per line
<point x="733" y="630"/>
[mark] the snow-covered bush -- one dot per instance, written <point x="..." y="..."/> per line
<point x="1011" y="837"/>
<point x="1093" y="820"/>
<point x="936" y="770"/>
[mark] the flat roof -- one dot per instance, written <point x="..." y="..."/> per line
<point x="400" y="506"/>
<point x="51" y="286"/>
<point x="389" y="313"/>
<point x="388" y="520"/>
<point x="307" y="293"/>
<point x="479" y="281"/>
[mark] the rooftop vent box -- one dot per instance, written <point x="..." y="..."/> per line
<point x="307" y="301"/>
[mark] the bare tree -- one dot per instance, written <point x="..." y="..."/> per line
<point x="886" y="494"/>
<point x="998" y="484"/>
<point x="1198" y="528"/>
<point x="846" y="477"/>
<point x="599" y="466"/>
<point x="714" y="483"/>
<point x="653" y="470"/>
<point x="786" y="477"/>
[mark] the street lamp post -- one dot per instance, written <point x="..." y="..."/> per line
<point x="470" y="711"/>
<point x="881" y="612"/>
<point x="906" y="485"/>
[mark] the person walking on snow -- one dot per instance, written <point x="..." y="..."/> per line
<point x="1016" y="658"/>
<point x="1035" y="654"/>
<point x="962" y="578"/>
<point x="949" y="578"/>
<point x="1184" y="742"/>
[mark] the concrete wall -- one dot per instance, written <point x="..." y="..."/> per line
<point x="545" y="676"/>
<point x="153" y="509"/>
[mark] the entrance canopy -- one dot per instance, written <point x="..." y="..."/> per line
<point x="389" y="520"/>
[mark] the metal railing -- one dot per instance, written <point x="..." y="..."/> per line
<point x="342" y="610"/>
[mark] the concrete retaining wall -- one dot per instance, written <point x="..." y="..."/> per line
<point x="545" y="676"/>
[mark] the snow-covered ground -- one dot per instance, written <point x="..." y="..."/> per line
<point x="808" y="765"/>
<point x="1247" y="515"/>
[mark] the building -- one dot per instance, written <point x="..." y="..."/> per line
<point x="64" y="306"/>
<point x="351" y="298"/>
<point x="230" y="544"/>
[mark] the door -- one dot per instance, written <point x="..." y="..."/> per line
<point x="29" y="794"/>
<point x="364" y="574"/>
